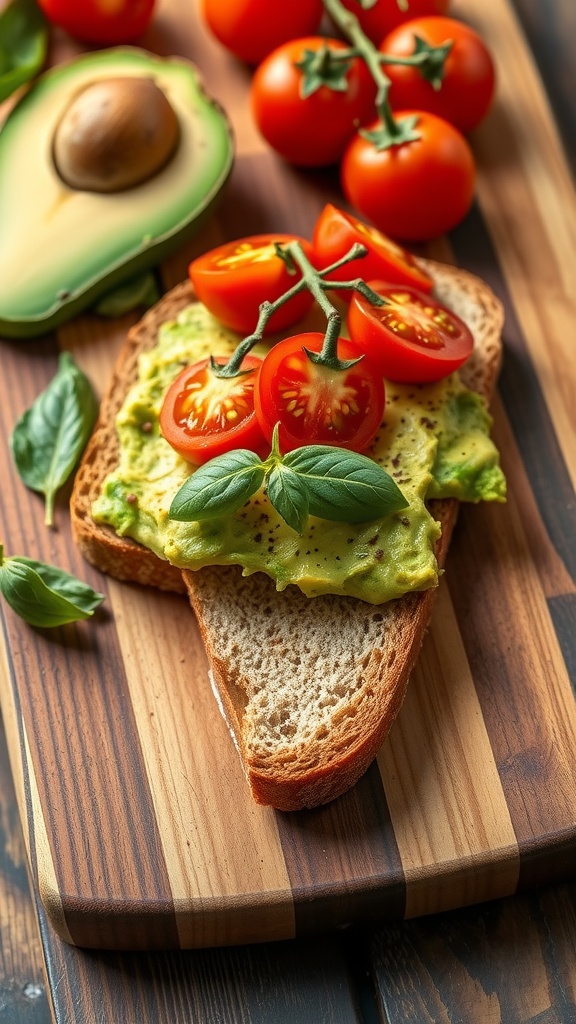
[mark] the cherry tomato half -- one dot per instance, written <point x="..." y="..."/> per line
<point x="251" y="29"/>
<point x="335" y="232"/>
<point x="468" y="80"/>
<point x="204" y="415"/>
<point x="384" y="15"/>
<point x="312" y="130"/>
<point x="233" y="280"/>
<point x="414" y="191"/>
<point x="412" y="338"/>
<point x="97" y="22"/>
<point x="315" y="404"/>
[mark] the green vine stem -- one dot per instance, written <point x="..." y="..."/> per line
<point x="429" y="59"/>
<point x="318" y="283"/>
<point x="348" y="24"/>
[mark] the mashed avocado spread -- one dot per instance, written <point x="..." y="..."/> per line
<point x="434" y="442"/>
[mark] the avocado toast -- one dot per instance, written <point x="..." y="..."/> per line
<point x="310" y="686"/>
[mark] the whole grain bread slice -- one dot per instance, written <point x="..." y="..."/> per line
<point x="310" y="687"/>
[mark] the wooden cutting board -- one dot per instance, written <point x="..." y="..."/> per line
<point x="140" y="829"/>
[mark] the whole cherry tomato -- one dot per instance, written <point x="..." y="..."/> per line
<point x="335" y="232"/>
<point x="95" y="22"/>
<point x="416" y="190"/>
<point x="384" y="15"/>
<point x="311" y="128"/>
<point x="412" y="338"/>
<point x="204" y="415"/>
<point x="315" y="404"/>
<point x="234" y="279"/>
<point x="468" y="80"/>
<point x="251" y="29"/>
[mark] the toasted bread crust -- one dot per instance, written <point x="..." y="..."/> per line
<point x="330" y="760"/>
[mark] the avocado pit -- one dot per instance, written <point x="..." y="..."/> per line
<point x="115" y="134"/>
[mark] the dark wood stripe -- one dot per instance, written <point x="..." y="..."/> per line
<point x="347" y="847"/>
<point x="550" y="30"/>
<point x="563" y="612"/>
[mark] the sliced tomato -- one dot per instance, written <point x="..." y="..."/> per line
<point x="412" y="338"/>
<point x="234" y="279"/>
<point x="314" y="403"/>
<point x="335" y="232"/>
<point x="204" y="415"/>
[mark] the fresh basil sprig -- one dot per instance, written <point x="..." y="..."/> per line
<point x="318" y="480"/>
<point x="23" y="44"/>
<point x="44" y="595"/>
<point x="51" y="435"/>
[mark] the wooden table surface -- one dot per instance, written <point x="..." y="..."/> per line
<point x="511" y="961"/>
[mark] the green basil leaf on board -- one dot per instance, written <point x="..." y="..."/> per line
<point x="289" y="496"/>
<point x="44" y="595"/>
<point x="51" y="435"/>
<point x="23" y="44"/>
<point x="219" y="487"/>
<point x="344" y="486"/>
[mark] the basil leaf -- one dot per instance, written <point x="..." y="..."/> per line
<point x="23" y="44"/>
<point x="289" y="496"/>
<point x="44" y="595"/>
<point x="218" y="488"/>
<point x="51" y="435"/>
<point x="344" y="486"/>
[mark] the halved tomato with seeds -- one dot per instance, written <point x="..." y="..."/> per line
<point x="204" y="415"/>
<point x="315" y="403"/>
<point x="411" y="337"/>
<point x="234" y="279"/>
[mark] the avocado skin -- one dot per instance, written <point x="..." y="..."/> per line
<point x="100" y="247"/>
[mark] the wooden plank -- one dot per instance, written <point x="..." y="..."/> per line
<point x="496" y="963"/>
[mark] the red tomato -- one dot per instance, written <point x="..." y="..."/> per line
<point x="204" y="415"/>
<point x="414" y="191"/>
<point x="95" y="22"/>
<point x="315" y="404"/>
<point x="251" y="29"/>
<point x="310" y="131"/>
<point x="468" y="81"/>
<point x="380" y="19"/>
<point x="336" y="232"/>
<point x="412" y="338"/>
<point x="234" y="279"/>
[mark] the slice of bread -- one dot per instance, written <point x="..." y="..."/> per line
<point x="310" y="686"/>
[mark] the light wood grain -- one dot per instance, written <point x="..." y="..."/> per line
<point x="442" y="785"/>
<point x="220" y="848"/>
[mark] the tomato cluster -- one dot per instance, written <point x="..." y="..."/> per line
<point x="412" y="172"/>
<point x="398" y="331"/>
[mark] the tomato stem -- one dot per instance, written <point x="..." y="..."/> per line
<point x="348" y="23"/>
<point x="428" y="59"/>
<point x="318" y="283"/>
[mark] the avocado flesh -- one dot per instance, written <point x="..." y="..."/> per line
<point x="61" y="249"/>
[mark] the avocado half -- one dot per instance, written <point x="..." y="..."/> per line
<point x="61" y="248"/>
